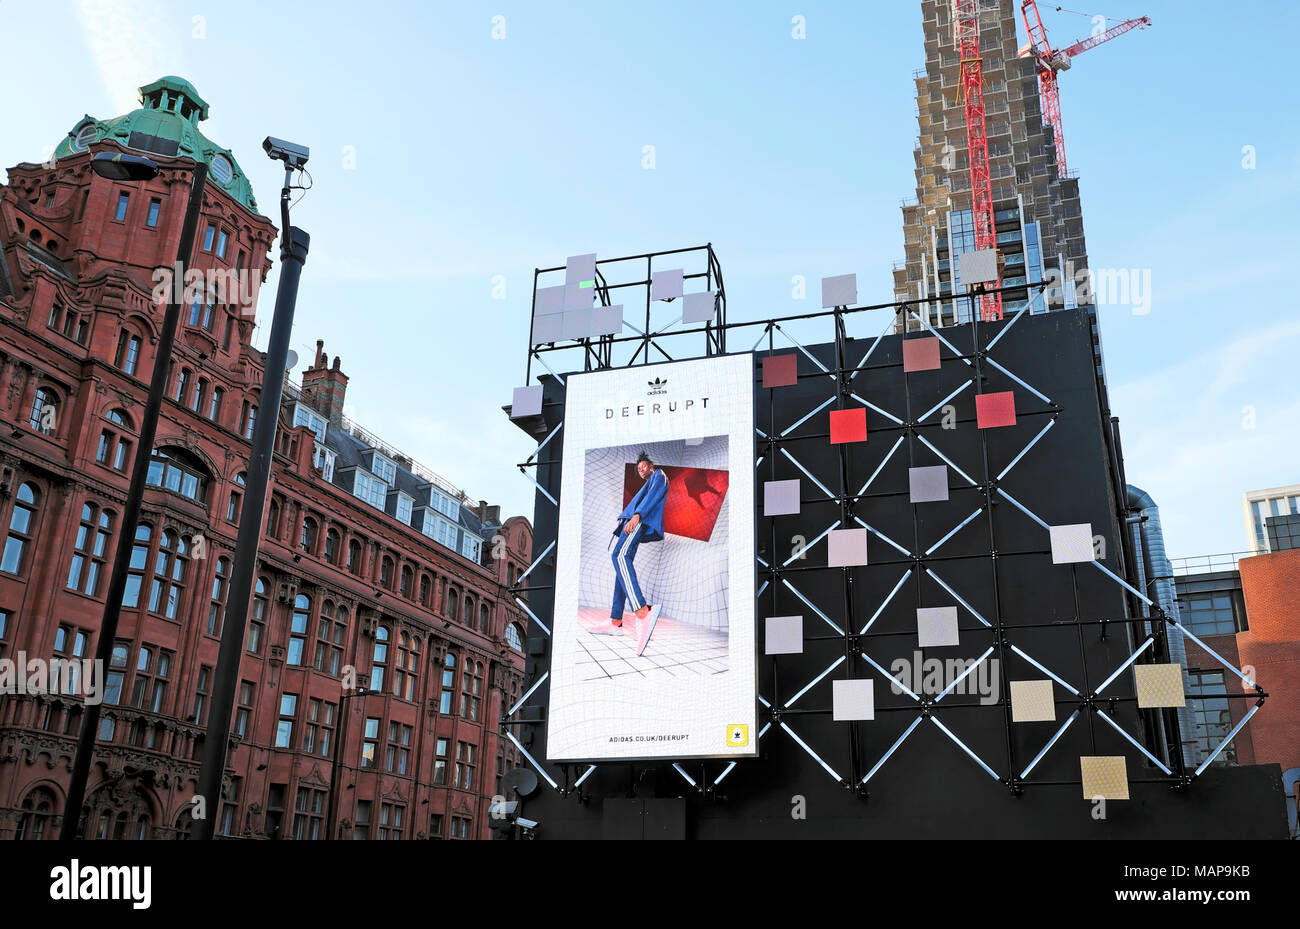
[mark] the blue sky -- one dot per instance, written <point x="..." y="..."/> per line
<point x="474" y="157"/>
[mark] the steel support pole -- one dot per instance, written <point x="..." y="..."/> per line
<point x="131" y="510"/>
<point x="293" y="254"/>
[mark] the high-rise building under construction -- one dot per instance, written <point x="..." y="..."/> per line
<point x="1036" y="212"/>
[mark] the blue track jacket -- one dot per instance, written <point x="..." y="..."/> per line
<point x="649" y="502"/>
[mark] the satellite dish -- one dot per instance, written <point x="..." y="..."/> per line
<point x="520" y="780"/>
<point x="291" y="361"/>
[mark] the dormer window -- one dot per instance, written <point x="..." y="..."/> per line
<point x="306" y="416"/>
<point x="404" y="505"/>
<point x="323" y="458"/>
<point x="383" y="468"/>
<point x="367" y="487"/>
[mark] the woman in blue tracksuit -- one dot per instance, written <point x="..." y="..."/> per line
<point x="642" y="520"/>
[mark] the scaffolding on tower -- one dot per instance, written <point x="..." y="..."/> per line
<point x="966" y="26"/>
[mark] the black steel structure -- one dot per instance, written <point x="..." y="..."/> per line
<point x="938" y="760"/>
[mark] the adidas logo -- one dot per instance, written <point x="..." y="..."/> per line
<point x="658" y="386"/>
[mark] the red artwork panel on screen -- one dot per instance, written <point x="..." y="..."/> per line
<point x="695" y="498"/>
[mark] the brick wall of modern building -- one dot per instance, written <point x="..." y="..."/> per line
<point x="362" y="590"/>
<point x="1271" y="586"/>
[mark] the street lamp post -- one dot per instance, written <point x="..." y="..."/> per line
<point x="124" y="167"/>
<point x="339" y="742"/>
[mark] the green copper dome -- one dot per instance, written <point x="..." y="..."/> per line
<point x="166" y="124"/>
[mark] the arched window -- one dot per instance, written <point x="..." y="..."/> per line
<point x="214" y="407"/>
<point x="91" y="549"/>
<point x="332" y="539"/>
<point x="471" y="689"/>
<point x="119" y="417"/>
<point x="273" y="519"/>
<point x="510" y="575"/>
<point x="330" y="633"/>
<point x="169" y="574"/>
<point x="448" y="683"/>
<point x="137" y="567"/>
<point x="21" y="530"/>
<point x="386" y="573"/>
<point x="114" y="448"/>
<point x="452" y="602"/>
<point x="514" y="638"/>
<point x="182" y="381"/>
<point x="408" y="579"/>
<point x="196" y="402"/>
<point x="257" y="621"/>
<point x="35" y="812"/>
<point x="308" y="541"/>
<point x="467" y="612"/>
<point x="128" y="351"/>
<point x="217" y="608"/>
<point x="180" y="471"/>
<point x="404" y="669"/>
<point x="425" y="587"/>
<point x="298" y="629"/>
<point x="44" y="411"/>
<point x="354" y="556"/>
<point x="236" y="498"/>
<point x="379" y="659"/>
<point x="482" y="617"/>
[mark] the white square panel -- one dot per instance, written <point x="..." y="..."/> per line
<point x="577" y="324"/>
<point x="977" y="267"/>
<point x="936" y="627"/>
<point x="666" y="285"/>
<point x="577" y="297"/>
<point x="579" y="268"/>
<point x="549" y="300"/>
<point x="698" y="308"/>
<point x="608" y="320"/>
<point x="527" y="401"/>
<point x="841" y="290"/>
<point x="548" y="328"/>
<point x="853" y="700"/>
<point x="784" y="635"/>
<point x="1071" y="544"/>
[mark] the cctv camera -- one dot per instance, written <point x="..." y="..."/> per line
<point x="293" y="156"/>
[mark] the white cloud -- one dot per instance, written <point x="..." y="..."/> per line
<point x="127" y="41"/>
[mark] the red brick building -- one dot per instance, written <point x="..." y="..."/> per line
<point x="372" y="569"/>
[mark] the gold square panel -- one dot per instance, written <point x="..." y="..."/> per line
<point x="1104" y="776"/>
<point x="1032" y="702"/>
<point x="1159" y="685"/>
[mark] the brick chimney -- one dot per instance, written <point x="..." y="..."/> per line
<point x="324" y="387"/>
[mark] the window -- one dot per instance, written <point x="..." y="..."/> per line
<point x="330" y="633"/>
<point x="1212" y="715"/>
<point x="404" y="504"/>
<point x="244" y="712"/>
<point x="472" y="687"/>
<point x="439" y="529"/>
<point x="379" y="659"/>
<point x="181" y="380"/>
<point x="305" y="416"/>
<point x="274" y="809"/>
<point x="470" y="547"/>
<point x="123" y="199"/>
<point x="1208" y="613"/>
<point x="408" y="653"/>
<point x="440" y="763"/>
<point x="452" y="603"/>
<point x="128" y="352"/>
<point x="116" y="678"/>
<point x="55" y="321"/>
<point x="222" y="238"/>
<point x="179" y="471"/>
<point x="464" y="778"/>
<point x="298" y="629"/>
<point x="4" y="629"/>
<point x="448" y="683"/>
<point x="154" y="206"/>
<point x="332" y="540"/>
<point x="307" y="541"/>
<point x="435" y="826"/>
<point x="309" y="810"/>
<point x="250" y="418"/>
<point x="214" y="407"/>
<point x="319" y="730"/>
<point x="208" y="236"/>
<point x="408" y="579"/>
<point x="513" y="638"/>
<point x="20" y="529"/>
<point x="399" y="748"/>
<point x="354" y="556"/>
<point x="483" y="617"/>
<point x="92" y="543"/>
<point x="137" y="566"/>
<point x="257" y="620"/>
<point x="284" y="725"/>
<point x="217" y="606"/>
<point x="200" y="716"/>
<point x="383" y="468"/>
<point x="368" y="747"/>
<point x="390" y="820"/>
<point x="386" y="573"/>
<point x="367" y="487"/>
<point x="361" y="821"/>
<point x="35" y="814"/>
<point x="169" y="574"/>
<point x="44" y="408"/>
<point x="460" y="827"/>
<point x="323" y="458"/>
<point x="426" y="587"/>
<point x="196" y="401"/>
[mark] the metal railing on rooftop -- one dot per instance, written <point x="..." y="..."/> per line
<point x="1202" y="564"/>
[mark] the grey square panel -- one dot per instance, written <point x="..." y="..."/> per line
<point x="853" y="700"/>
<point x="841" y="290"/>
<point x="1071" y="544"/>
<point x="549" y="300"/>
<point x="607" y="320"/>
<point x="698" y="308"/>
<point x="579" y="268"/>
<point x="784" y="635"/>
<point x="577" y="297"/>
<point x="781" y="498"/>
<point x="547" y="328"/>
<point x="936" y="626"/>
<point x="928" y="485"/>
<point x="977" y="267"/>
<point x="577" y="324"/>
<point x="846" y="548"/>
<point x="666" y="285"/>
<point x="527" y="401"/>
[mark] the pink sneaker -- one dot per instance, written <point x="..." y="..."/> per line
<point x="609" y="629"/>
<point x="646" y="627"/>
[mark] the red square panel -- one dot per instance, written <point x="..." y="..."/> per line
<point x="993" y="410"/>
<point x="694" y="499"/>
<point x="848" y="426"/>
<point x="920" y="354"/>
<point x="781" y="370"/>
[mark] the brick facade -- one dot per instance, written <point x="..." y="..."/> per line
<point x="343" y="585"/>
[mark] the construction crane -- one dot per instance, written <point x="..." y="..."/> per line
<point x="966" y="36"/>
<point x="1050" y="61"/>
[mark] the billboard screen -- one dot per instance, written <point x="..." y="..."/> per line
<point x="654" y="594"/>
